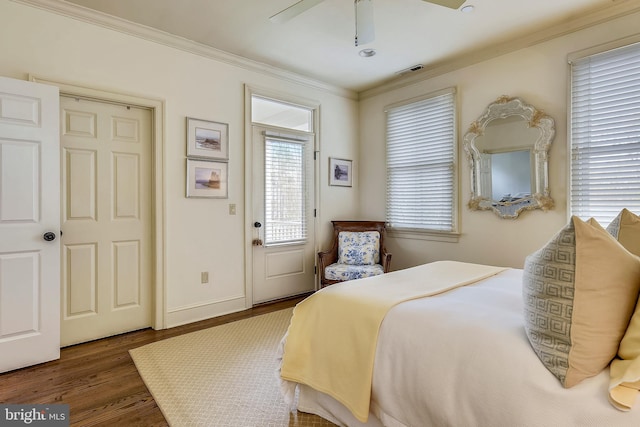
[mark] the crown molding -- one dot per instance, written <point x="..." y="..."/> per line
<point x="104" y="20"/>
<point x="618" y="9"/>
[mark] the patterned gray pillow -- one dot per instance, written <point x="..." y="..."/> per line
<point x="579" y="293"/>
<point x="625" y="228"/>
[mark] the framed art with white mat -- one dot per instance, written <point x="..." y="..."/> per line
<point x="340" y="172"/>
<point x="207" y="179"/>
<point x="207" y="139"/>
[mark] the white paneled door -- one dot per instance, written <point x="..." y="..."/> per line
<point x="283" y="250"/>
<point x="106" y="219"/>
<point x="29" y="224"/>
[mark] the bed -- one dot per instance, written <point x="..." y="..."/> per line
<point x="461" y="357"/>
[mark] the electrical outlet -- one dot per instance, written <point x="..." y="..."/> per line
<point x="204" y="277"/>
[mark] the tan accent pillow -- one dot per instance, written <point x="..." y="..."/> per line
<point x="626" y="229"/>
<point x="580" y="291"/>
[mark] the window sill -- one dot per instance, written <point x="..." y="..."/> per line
<point x="435" y="236"/>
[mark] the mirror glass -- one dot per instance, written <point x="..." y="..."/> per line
<point x="507" y="149"/>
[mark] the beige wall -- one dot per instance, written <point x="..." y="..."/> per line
<point x="200" y="233"/>
<point x="538" y="74"/>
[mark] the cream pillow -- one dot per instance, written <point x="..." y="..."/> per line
<point x="580" y="292"/>
<point x="626" y="229"/>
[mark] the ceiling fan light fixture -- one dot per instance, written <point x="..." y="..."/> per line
<point x="364" y="22"/>
<point x="367" y="53"/>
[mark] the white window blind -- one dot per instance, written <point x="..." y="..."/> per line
<point x="285" y="191"/>
<point x="605" y="134"/>
<point x="421" y="148"/>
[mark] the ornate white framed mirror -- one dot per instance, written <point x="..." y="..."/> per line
<point x="508" y="152"/>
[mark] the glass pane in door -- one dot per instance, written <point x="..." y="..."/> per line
<point x="285" y="192"/>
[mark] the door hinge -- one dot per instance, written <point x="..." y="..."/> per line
<point x="315" y="269"/>
<point x="315" y="212"/>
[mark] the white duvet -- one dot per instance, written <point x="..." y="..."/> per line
<point x="462" y="359"/>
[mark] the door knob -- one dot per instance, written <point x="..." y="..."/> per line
<point x="49" y="236"/>
<point x="257" y="241"/>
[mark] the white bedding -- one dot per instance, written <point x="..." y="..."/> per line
<point x="462" y="359"/>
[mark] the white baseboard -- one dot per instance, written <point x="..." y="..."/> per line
<point x="196" y="312"/>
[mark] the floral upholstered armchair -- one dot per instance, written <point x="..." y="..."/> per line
<point x="357" y="251"/>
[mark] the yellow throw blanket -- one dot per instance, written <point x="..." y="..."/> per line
<point x="331" y="342"/>
<point x="624" y="387"/>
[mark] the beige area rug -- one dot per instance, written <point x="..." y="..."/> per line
<point x="222" y="376"/>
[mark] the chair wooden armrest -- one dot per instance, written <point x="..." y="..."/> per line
<point x="325" y="259"/>
<point x="385" y="260"/>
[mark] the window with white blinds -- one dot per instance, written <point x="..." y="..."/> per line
<point x="605" y="134"/>
<point x="421" y="150"/>
<point x="285" y="191"/>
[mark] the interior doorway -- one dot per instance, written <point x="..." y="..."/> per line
<point x="282" y="189"/>
<point x="155" y="107"/>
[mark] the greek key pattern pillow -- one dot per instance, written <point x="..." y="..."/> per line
<point x="614" y="227"/>
<point x="548" y="280"/>
<point x="625" y="228"/>
<point x="580" y="291"/>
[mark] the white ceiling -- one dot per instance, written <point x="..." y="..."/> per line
<point x="319" y="43"/>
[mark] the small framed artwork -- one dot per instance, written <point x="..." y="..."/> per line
<point x="207" y="179"/>
<point x="340" y="172"/>
<point x="207" y="140"/>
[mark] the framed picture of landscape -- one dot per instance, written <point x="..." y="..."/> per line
<point x="340" y="172"/>
<point x="207" y="179"/>
<point x="207" y="140"/>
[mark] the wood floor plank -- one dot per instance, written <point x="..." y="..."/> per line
<point x="98" y="379"/>
<point x="129" y="407"/>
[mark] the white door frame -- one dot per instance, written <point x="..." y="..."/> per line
<point x="249" y="91"/>
<point x="157" y="181"/>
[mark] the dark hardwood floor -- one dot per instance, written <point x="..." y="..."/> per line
<point x="98" y="379"/>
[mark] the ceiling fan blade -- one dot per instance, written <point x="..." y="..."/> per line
<point x="453" y="4"/>
<point x="364" y="22"/>
<point x="294" y="10"/>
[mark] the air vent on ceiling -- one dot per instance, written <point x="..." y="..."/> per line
<point x="412" y="69"/>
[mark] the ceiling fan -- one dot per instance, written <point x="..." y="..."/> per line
<point x="364" y="15"/>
